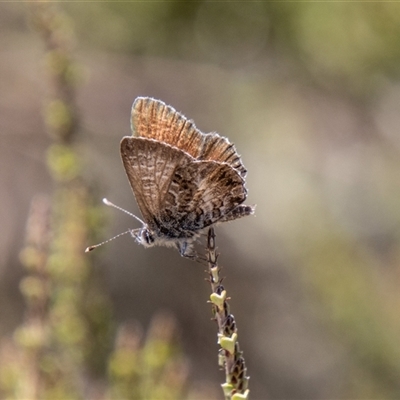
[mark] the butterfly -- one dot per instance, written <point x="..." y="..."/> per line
<point x="184" y="181"/>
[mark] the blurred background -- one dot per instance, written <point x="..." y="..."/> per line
<point x="308" y="92"/>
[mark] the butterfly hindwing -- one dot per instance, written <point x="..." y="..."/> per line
<point x="200" y="194"/>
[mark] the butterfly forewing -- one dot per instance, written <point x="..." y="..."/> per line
<point x="149" y="166"/>
<point x="155" y="120"/>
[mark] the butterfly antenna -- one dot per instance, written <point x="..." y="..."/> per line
<point x="108" y="203"/>
<point x="90" y="248"/>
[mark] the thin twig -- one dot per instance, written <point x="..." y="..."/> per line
<point x="230" y="356"/>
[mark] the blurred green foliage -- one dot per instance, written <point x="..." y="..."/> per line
<point x="151" y="367"/>
<point x="351" y="45"/>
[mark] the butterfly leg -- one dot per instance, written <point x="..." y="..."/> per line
<point x="186" y="249"/>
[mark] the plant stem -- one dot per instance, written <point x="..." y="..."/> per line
<point x="230" y="356"/>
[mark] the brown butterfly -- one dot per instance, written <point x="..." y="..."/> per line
<point x="184" y="181"/>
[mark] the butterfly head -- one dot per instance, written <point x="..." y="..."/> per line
<point x="143" y="236"/>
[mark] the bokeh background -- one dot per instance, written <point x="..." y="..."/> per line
<point x="309" y="92"/>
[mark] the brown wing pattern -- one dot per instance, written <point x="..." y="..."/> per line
<point x="150" y="166"/>
<point x="155" y="120"/>
<point x="200" y="194"/>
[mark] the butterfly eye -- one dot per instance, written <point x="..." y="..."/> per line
<point x="146" y="237"/>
